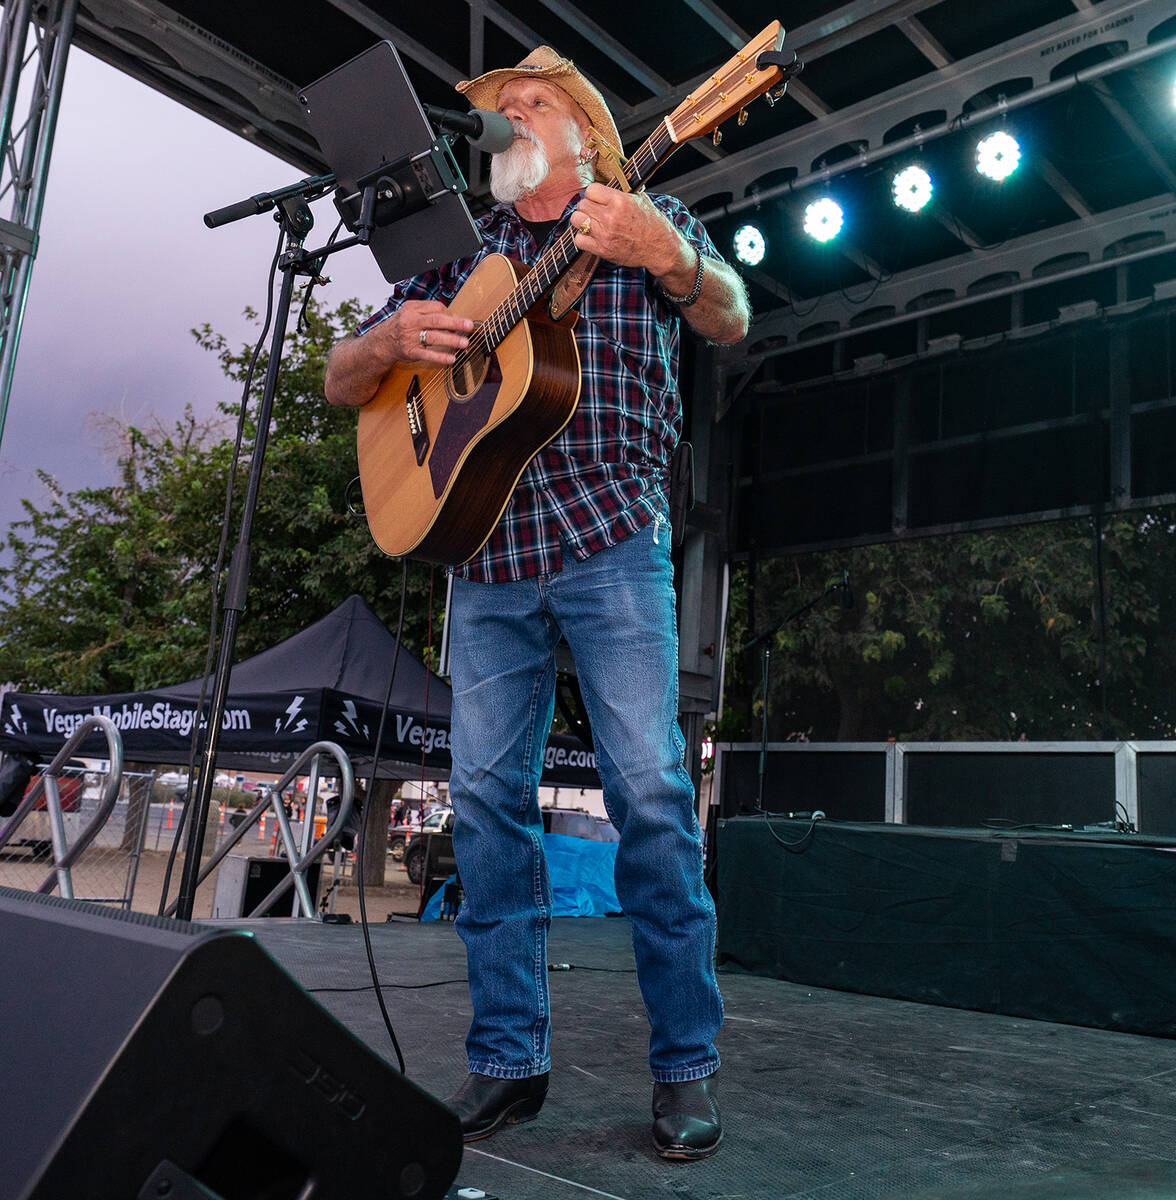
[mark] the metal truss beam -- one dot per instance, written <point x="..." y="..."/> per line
<point x="365" y="15"/>
<point x="200" y="71"/>
<point x="508" y="23"/>
<point x="811" y="41"/>
<point x="959" y="278"/>
<point x="1031" y="56"/>
<point x="724" y="25"/>
<point x="32" y="76"/>
<point x="1063" y="188"/>
<point x="1139" y="139"/>
<point x="921" y="37"/>
<point x="619" y="53"/>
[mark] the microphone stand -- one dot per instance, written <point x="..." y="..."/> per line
<point x="296" y="220"/>
<point x="382" y="200"/>
<point x="766" y="638"/>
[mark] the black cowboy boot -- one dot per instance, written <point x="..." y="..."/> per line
<point x="484" y="1104"/>
<point x="686" y="1121"/>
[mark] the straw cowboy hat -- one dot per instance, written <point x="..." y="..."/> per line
<point x="544" y="63"/>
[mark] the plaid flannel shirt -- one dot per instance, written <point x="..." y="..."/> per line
<point x="607" y="473"/>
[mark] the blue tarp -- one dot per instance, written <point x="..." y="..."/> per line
<point x="581" y="878"/>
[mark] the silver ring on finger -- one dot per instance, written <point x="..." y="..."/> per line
<point x="424" y="337"/>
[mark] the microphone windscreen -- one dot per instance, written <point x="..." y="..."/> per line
<point x="497" y="132"/>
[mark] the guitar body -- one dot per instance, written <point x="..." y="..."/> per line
<point x="441" y="448"/>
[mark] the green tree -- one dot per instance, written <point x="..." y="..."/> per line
<point x="981" y="636"/>
<point x="110" y="587"/>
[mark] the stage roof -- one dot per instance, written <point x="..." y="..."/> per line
<point x="1100" y="158"/>
<point x="991" y="324"/>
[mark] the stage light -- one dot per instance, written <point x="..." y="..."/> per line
<point x="912" y="188"/>
<point x="750" y="246"/>
<point x="997" y="155"/>
<point x="823" y="219"/>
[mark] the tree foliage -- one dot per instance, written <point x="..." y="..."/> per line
<point x="971" y="637"/>
<point x="985" y="636"/>
<point x="110" y="587"/>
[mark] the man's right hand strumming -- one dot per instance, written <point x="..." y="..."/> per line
<point x="419" y="331"/>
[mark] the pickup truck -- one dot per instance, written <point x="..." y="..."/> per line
<point x="399" y="835"/>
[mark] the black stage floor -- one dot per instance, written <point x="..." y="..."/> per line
<point x="826" y="1095"/>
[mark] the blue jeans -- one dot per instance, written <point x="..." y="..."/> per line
<point x="616" y="610"/>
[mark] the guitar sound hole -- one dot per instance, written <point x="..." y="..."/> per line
<point x="468" y="374"/>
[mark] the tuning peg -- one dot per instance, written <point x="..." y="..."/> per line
<point x="742" y="119"/>
<point x="717" y="138"/>
<point x="770" y="99"/>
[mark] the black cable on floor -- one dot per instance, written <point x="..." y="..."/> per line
<point x="408" y="987"/>
<point x="363" y="829"/>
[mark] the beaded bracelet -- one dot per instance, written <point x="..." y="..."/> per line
<point x="687" y="301"/>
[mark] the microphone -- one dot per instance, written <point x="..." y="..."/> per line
<point x="846" y="590"/>
<point x="489" y="131"/>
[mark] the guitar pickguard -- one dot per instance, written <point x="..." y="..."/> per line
<point x="463" y="420"/>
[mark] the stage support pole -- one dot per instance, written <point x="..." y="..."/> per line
<point x="26" y="146"/>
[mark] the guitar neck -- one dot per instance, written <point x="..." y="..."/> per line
<point x="559" y="255"/>
<point x="755" y="69"/>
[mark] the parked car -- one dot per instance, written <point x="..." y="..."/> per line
<point x="438" y="843"/>
<point x="399" y="835"/>
<point x="71" y="783"/>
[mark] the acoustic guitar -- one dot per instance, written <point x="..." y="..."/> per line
<point x="441" y="448"/>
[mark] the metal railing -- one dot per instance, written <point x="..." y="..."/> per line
<point x="66" y="855"/>
<point x="271" y="800"/>
<point x="892" y="791"/>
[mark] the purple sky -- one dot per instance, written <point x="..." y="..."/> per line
<point x="126" y="267"/>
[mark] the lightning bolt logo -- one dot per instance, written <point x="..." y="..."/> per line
<point x="292" y="711"/>
<point x="349" y="715"/>
<point x="16" y="722"/>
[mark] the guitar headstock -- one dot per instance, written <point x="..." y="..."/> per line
<point x="736" y="84"/>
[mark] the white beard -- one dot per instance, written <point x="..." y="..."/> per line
<point x="521" y="170"/>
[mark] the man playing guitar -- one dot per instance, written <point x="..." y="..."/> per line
<point x="582" y="548"/>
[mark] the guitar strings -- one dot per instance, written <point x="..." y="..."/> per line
<point x="434" y="390"/>
<point x="645" y="159"/>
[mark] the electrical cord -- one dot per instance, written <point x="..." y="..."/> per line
<point x="814" y="820"/>
<point x="308" y="291"/>
<point x="360" y="857"/>
<point x="552" y="968"/>
<point x="200" y="731"/>
<point x="408" y="987"/>
<point x="557" y="968"/>
<point x="1006" y="825"/>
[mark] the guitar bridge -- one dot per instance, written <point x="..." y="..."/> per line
<point x="416" y="421"/>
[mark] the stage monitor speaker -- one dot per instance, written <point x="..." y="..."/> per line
<point x="146" y="1057"/>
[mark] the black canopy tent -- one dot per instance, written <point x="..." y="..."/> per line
<point x="326" y="682"/>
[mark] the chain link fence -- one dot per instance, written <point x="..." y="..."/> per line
<point x="125" y="865"/>
<point x="106" y="871"/>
